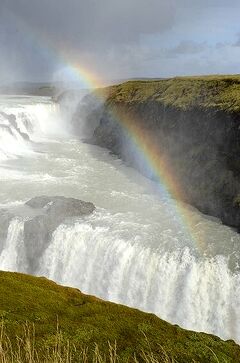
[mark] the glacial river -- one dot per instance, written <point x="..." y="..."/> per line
<point x="135" y="248"/>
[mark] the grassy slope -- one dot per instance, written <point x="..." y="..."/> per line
<point x="221" y="92"/>
<point x="84" y="320"/>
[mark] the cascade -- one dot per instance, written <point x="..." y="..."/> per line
<point x="133" y="249"/>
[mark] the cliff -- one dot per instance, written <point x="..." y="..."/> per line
<point x="192" y="123"/>
<point x="84" y="321"/>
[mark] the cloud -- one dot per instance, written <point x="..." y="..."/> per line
<point x="237" y="43"/>
<point x="93" y="22"/>
<point x="113" y="38"/>
<point x="186" y="47"/>
<point x="85" y="31"/>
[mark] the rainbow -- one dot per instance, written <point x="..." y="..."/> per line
<point x="143" y="144"/>
<point x="148" y="150"/>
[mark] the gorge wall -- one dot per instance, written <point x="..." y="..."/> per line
<point x="193" y="124"/>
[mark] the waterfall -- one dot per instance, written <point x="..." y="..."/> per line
<point x="11" y="256"/>
<point x="196" y="293"/>
<point x="133" y="249"/>
<point x="25" y="123"/>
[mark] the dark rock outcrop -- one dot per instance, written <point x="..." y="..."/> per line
<point x="5" y="219"/>
<point x="13" y="123"/>
<point x="199" y="142"/>
<point x="51" y="212"/>
<point x="202" y="150"/>
<point x="41" y="217"/>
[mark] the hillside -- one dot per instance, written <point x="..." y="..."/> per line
<point x="219" y="92"/>
<point x="85" y="320"/>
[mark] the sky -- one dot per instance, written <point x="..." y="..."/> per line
<point x="43" y="40"/>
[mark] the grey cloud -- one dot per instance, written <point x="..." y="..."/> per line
<point x="111" y="37"/>
<point x="237" y="43"/>
<point x="186" y="47"/>
<point x="89" y="31"/>
<point x="90" y="22"/>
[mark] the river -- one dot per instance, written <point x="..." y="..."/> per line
<point x="135" y="248"/>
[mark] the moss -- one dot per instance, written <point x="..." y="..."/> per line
<point x="236" y="201"/>
<point x="218" y="92"/>
<point x="85" y="320"/>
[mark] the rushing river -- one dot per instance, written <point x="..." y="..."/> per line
<point x="134" y="249"/>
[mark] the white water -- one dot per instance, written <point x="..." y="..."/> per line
<point x="134" y="248"/>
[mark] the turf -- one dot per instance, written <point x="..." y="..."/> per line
<point x="205" y="92"/>
<point x="85" y="320"/>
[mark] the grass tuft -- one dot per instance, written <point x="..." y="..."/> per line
<point x="24" y="350"/>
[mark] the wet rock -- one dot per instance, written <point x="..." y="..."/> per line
<point x="5" y="219"/>
<point x="201" y="147"/>
<point x="12" y="121"/>
<point x="52" y="211"/>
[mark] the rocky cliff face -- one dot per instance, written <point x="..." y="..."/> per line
<point x="197" y="135"/>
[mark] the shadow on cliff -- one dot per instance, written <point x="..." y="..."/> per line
<point x="198" y="149"/>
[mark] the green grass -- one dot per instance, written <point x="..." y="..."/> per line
<point x="205" y="92"/>
<point x="85" y="321"/>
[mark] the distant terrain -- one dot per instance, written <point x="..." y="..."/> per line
<point x="52" y="89"/>
<point x="47" y="89"/>
<point x="30" y="88"/>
